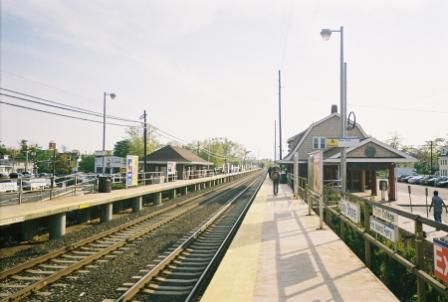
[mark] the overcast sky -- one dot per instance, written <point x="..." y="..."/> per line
<point x="209" y="68"/>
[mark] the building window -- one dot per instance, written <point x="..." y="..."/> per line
<point x="319" y="142"/>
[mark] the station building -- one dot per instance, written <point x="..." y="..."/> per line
<point x="364" y="160"/>
<point x="187" y="165"/>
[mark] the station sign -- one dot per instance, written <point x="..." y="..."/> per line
<point x="441" y="259"/>
<point x="385" y="215"/>
<point x="351" y="210"/>
<point x="342" y="142"/>
<point x="385" y="229"/>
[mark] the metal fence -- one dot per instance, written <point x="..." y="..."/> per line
<point x="45" y="188"/>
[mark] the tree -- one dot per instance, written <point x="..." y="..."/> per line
<point x="135" y="138"/>
<point x="395" y="141"/>
<point x="87" y="163"/>
<point x="121" y="148"/>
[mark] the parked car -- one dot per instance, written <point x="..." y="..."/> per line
<point x="423" y="181"/>
<point x="441" y="181"/>
<point x="402" y="177"/>
<point x="406" y="179"/>
<point x="414" y="179"/>
<point x="15" y="175"/>
<point x="431" y="181"/>
<point x="4" y="175"/>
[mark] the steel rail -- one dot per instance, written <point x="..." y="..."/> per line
<point x="133" y="290"/>
<point x="223" y="247"/>
<point x="88" y="259"/>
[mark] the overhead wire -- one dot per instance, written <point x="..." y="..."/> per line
<point x="60" y="105"/>
<point x="60" y="114"/>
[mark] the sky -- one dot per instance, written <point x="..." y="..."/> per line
<point x="208" y="68"/>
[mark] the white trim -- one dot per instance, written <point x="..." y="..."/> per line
<point x="372" y="160"/>
<point x="380" y="143"/>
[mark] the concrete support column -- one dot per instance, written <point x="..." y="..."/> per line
<point x="57" y="226"/>
<point x="158" y="198"/>
<point x="173" y="194"/>
<point x="362" y="181"/>
<point x="210" y="184"/>
<point x="29" y="228"/>
<point x="137" y="204"/>
<point x="373" y="183"/>
<point x="392" y="196"/>
<point x="106" y="212"/>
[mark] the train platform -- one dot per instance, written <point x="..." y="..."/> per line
<point x="279" y="254"/>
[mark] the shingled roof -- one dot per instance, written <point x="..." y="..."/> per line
<point x="175" y="154"/>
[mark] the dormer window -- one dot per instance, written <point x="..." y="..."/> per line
<point x="319" y="142"/>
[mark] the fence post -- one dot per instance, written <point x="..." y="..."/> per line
<point x="76" y="184"/>
<point x="419" y="259"/>
<point x="308" y="199"/>
<point x="367" y="245"/>
<point x="21" y="190"/>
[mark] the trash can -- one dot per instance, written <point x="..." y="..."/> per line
<point x="104" y="184"/>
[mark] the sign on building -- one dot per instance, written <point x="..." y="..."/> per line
<point x="351" y="210"/>
<point x="441" y="259"/>
<point x="342" y="142"/>
<point x="171" y="168"/>
<point x="385" y="229"/>
<point x="131" y="170"/>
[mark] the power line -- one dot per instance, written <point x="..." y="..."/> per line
<point x="60" y="114"/>
<point x="58" y="104"/>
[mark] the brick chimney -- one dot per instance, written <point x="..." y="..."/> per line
<point x="334" y="109"/>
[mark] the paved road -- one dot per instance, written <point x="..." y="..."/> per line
<point x="419" y="207"/>
<point x="418" y="193"/>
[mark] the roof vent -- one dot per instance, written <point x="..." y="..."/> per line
<point x="334" y="109"/>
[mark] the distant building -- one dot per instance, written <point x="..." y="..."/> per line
<point x="443" y="162"/>
<point x="365" y="156"/>
<point x="8" y="165"/>
<point x="187" y="164"/>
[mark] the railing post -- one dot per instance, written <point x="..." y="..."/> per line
<point x="21" y="190"/>
<point x="76" y="184"/>
<point x="367" y="245"/>
<point x="419" y="259"/>
<point x="308" y="199"/>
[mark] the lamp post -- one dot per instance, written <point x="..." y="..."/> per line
<point x="52" y="146"/>
<point x="112" y="96"/>
<point x="326" y="34"/>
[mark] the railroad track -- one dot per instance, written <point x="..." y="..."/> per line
<point x="28" y="278"/>
<point x="181" y="274"/>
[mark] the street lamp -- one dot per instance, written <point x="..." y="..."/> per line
<point x="52" y="146"/>
<point x="326" y="34"/>
<point x="112" y="96"/>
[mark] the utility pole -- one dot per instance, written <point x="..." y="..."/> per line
<point x="280" y="114"/>
<point x="197" y="151"/>
<point x="275" y="140"/>
<point x="144" y="143"/>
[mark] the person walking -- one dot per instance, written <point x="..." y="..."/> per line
<point x="275" y="180"/>
<point x="437" y="202"/>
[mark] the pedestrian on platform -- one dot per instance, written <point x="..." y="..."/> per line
<point x="437" y="202"/>
<point x="275" y="180"/>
